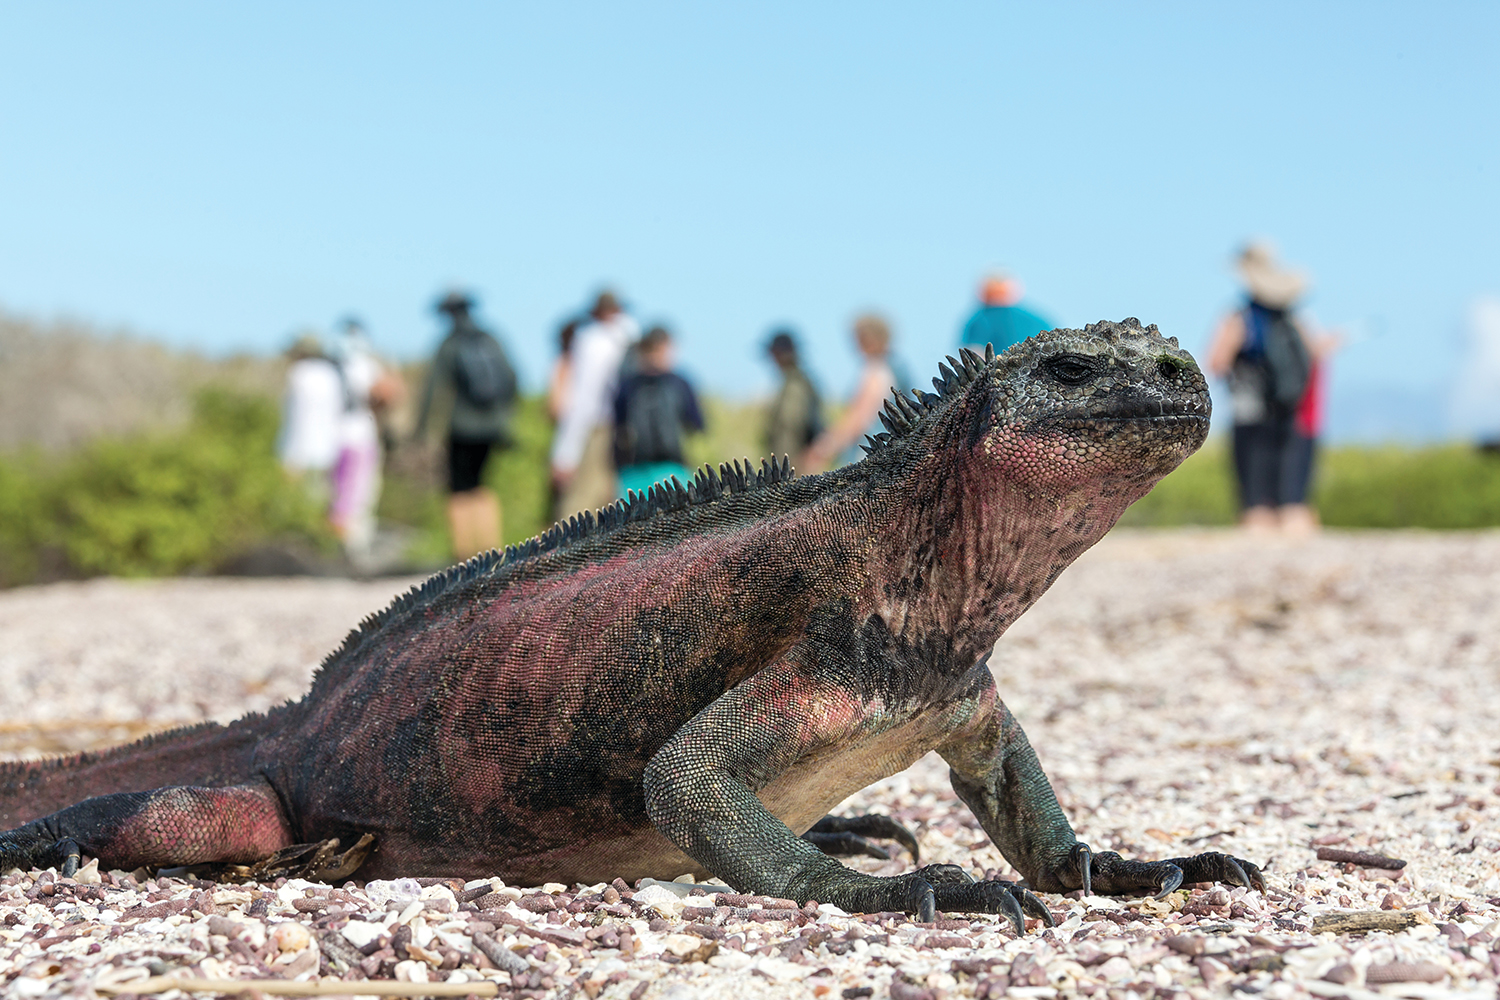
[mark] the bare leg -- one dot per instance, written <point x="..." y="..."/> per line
<point x="1299" y="520"/>
<point x="1259" y="519"/>
<point x="474" y="521"/>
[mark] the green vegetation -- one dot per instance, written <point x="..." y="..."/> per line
<point x="189" y="500"/>
<point x="154" y="503"/>
<point x="1441" y="487"/>
<point x="1391" y="487"/>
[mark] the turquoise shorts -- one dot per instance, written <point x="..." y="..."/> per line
<point x="640" y="477"/>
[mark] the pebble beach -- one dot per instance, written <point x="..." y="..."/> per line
<point x="1325" y="708"/>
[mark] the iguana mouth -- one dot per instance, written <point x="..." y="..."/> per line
<point x="1135" y="409"/>
<point x="1145" y="410"/>
<point x="1166" y="418"/>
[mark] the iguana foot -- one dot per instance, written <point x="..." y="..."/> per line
<point x="317" y="862"/>
<point x="845" y="836"/>
<point x="1111" y="875"/>
<point x="31" y="846"/>
<point x="926" y="891"/>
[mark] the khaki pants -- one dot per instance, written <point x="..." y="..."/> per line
<point x="593" y="484"/>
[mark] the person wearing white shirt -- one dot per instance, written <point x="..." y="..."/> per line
<point x="583" y="474"/>
<point x="311" y="413"/>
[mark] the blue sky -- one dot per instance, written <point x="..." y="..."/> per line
<point x="219" y="176"/>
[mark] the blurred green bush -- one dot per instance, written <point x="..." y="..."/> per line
<point x="152" y="504"/>
<point x="1391" y="486"/>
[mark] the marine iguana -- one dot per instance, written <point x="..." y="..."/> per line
<point x="688" y="680"/>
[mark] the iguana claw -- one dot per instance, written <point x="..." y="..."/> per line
<point x="1114" y="875"/>
<point x="1213" y="866"/>
<point x="922" y="900"/>
<point x="846" y="845"/>
<point x="1083" y="856"/>
<point x="1171" y="879"/>
<point x="1008" y="899"/>
<point x="71" y="857"/>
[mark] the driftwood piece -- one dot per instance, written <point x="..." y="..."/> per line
<point x="1360" y="921"/>
<point x="1360" y="858"/>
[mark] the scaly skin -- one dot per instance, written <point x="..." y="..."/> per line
<point x="691" y="683"/>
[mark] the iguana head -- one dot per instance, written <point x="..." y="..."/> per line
<point x="1112" y="404"/>
<point x="1019" y="463"/>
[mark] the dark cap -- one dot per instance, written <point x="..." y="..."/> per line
<point x="455" y="302"/>
<point x="655" y="337"/>
<point x="782" y="342"/>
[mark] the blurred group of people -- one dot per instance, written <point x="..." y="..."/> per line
<point x="337" y="425"/>
<point x="622" y="413"/>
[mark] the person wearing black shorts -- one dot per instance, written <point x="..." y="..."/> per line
<point x="473" y="371"/>
<point x="466" y="463"/>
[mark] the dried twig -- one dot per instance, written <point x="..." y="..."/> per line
<point x="296" y="988"/>
<point x="502" y="957"/>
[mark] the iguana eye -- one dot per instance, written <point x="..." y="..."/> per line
<point x="1071" y="369"/>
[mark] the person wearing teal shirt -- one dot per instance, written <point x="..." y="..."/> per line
<point x="1000" y="319"/>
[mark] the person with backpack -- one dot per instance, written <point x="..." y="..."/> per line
<point x="472" y="371"/>
<point x="795" y="418"/>
<point x="654" y="409"/>
<point x="1266" y="356"/>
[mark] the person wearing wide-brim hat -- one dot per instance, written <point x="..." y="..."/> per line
<point x="1267" y="280"/>
<point x="1269" y="359"/>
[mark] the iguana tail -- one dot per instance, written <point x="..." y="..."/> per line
<point x="207" y="754"/>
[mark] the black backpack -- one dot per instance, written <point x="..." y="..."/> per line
<point x="652" y="428"/>
<point x="1284" y="361"/>
<point x="814" y="425"/>
<point x="482" y="371"/>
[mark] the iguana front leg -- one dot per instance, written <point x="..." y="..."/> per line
<point x="701" y="792"/>
<point x="996" y="773"/>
